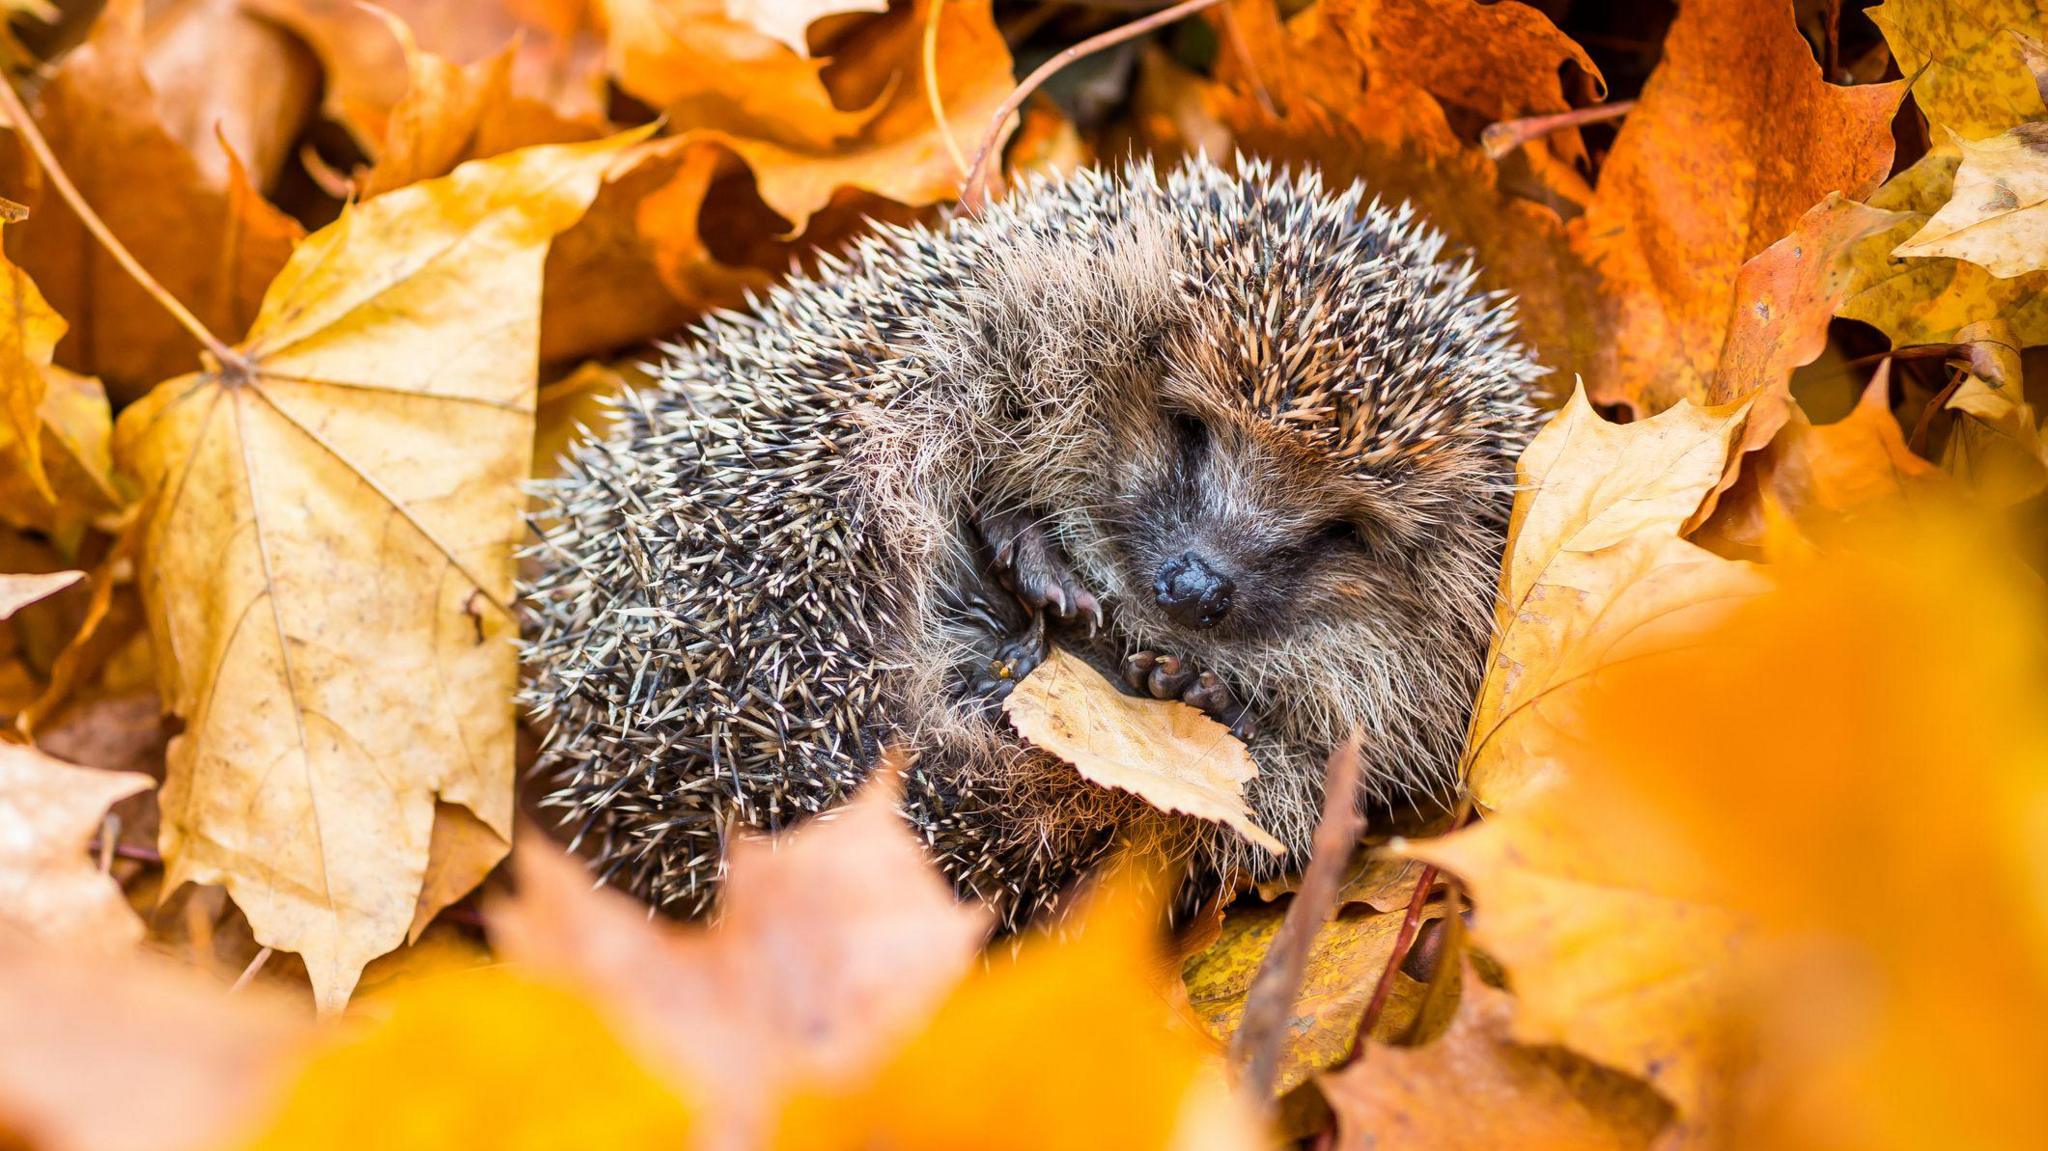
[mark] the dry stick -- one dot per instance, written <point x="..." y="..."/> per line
<point x="1256" y="1046"/>
<point x="1409" y="925"/>
<point x="1506" y="136"/>
<point x="110" y="835"/>
<point x="931" y="87"/>
<point x="249" y="972"/>
<point x="971" y="197"/>
<point x="10" y="103"/>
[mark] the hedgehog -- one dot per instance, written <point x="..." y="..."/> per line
<point x="1232" y="438"/>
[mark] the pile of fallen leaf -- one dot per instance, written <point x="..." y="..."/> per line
<point x="298" y="294"/>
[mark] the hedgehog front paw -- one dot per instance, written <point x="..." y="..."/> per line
<point x="1032" y="567"/>
<point x="1174" y="677"/>
<point x="1011" y="659"/>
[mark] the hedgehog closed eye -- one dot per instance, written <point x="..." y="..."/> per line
<point x="809" y="496"/>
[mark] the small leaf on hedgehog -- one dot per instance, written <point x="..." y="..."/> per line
<point x="1164" y="752"/>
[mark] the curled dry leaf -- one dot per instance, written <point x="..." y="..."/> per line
<point x="1995" y="446"/>
<point x="784" y="21"/>
<point x="214" y="247"/>
<point x="327" y="557"/>
<point x="229" y="83"/>
<point x="49" y="888"/>
<point x="834" y="945"/>
<point x="1475" y="1088"/>
<point x="29" y="331"/>
<point x="1163" y="751"/>
<point x="1596" y="574"/>
<point x="76" y="424"/>
<point x="1997" y="213"/>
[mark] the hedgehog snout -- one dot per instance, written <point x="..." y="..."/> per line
<point x="1193" y="592"/>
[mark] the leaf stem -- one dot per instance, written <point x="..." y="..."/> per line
<point x="1256" y="1046"/>
<point x="973" y="191"/>
<point x="1402" y="942"/>
<point x="1501" y="138"/>
<point x="17" y="113"/>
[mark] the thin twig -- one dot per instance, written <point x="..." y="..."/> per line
<point x="249" y="972"/>
<point x="132" y="851"/>
<point x="110" y="835"/>
<point x="1507" y="135"/>
<point x="979" y="173"/>
<point x="1402" y="942"/>
<point x="1256" y="1046"/>
<point x="931" y="87"/>
<point x="11" y="105"/>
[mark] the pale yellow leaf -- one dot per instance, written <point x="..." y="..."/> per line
<point x="1997" y="214"/>
<point x="785" y="20"/>
<point x="49" y="887"/>
<point x="1163" y="751"/>
<point x="327" y="559"/>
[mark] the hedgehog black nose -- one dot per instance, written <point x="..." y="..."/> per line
<point x="1193" y="593"/>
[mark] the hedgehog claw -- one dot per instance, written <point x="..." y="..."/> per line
<point x="1172" y="677"/>
<point x="1030" y="565"/>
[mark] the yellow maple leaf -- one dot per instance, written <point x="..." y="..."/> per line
<point x="327" y="559"/>
<point x="1994" y="217"/>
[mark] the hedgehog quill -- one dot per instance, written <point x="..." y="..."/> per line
<point x="1233" y="438"/>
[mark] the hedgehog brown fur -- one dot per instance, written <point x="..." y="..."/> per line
<point x="1267" y="431"/>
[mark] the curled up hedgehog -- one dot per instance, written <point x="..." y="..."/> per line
<point x="1231" y="438"/>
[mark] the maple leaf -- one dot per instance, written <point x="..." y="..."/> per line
<point x="1683" y="200"/>
<point x="1994" y="215"/>
<point x="215" y="248"/>
<point x="48" y="885"/>
<point x="479" y="1059"/>
<point x="832" y="945"/>
<point x="28" y="339"/>
<point x="1476" y="1088"/>
<point x="194" y="1066"/>
<point x="1967" y="67"/>
<point x="1163" y="751"/>
<point x="1596" y="574"/>
<point x="327" y="558"/>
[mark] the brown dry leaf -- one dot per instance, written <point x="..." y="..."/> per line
<point x="636" y="266"/>
<point x="49" y="887"/>
<point x="1735" y="136"/>
<point x="192" y="1068"/>
<point x="1596" y="574"/>
<point x="1968" y="68"/>
<point x="327" y="555"/>
<point x="1994" y="217"/>
<point x="18" y="591"/>
<point x="1166" y="753"/>
<point x="1067" y="1043"/>
<point x="1301" y="91"/>
<point x="214" y="249"/>
<point x="229" y="83"/>
<point x="557" y="50"/>
<point x="29" y="331"/>
<point x="900" y="151"/>
<point x="834" y="944"/>
<point x="1475" y="1089"/>
<point x="784" y="21"/>
<point x="1344" y="966"/>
